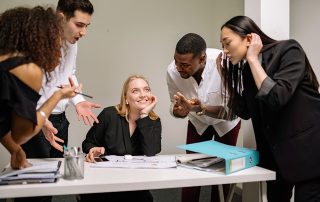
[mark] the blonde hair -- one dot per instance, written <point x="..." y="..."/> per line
<point x="123" y="109"/>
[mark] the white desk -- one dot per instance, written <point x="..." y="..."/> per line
<point x="116" y="179"/>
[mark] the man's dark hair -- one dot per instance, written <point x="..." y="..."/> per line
<point x="191" y="43"/>
<point x="68" y="7"/>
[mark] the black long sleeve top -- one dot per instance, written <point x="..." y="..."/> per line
<point x="112" y="132"/>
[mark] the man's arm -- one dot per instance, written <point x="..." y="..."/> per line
<point x="218" y="112"/>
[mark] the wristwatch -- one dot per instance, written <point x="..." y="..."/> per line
<point x="202" y="111"/>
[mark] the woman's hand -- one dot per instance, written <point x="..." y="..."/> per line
<point x="94" y="152"/>
<point x="69" y="91"/>
<point x="254" y="47"/>
<point x="252" y="56"/>
<point x="151" y="106"/>
<point x="18" y="159"/>
<point x="219" y="64"/>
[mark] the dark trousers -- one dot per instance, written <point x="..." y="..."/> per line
<point x="192" y="194"/>
<point x="280" y="190"/>
<point x="39" y="147"/>
<point x="141" y="196"/>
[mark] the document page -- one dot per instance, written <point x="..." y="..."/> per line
<point x="201" y="162"/>
<point x="39" y="172"/>
<point x="156" y="162"/>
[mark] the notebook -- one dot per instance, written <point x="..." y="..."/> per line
<point x="39" y="172"/>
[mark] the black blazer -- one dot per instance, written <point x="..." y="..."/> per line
<point x="285" y="113"/>
<point x="112" y="133"/>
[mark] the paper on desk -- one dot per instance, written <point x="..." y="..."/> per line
<point x="39" y="172"/>
<point x="188" y="157"/>
<point x="155" y="162"/>
<point x="217" y="168"/>
<point x="39" y="167"/>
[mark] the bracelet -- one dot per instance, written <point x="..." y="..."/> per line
<point x="43" y="114"/>
<point x="143" y="115"/>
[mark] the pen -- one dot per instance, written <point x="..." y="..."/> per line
<point x="89" y="96"/>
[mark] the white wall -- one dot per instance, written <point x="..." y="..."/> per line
<point x="127" y="37"/>
<point x="305" y="28"/>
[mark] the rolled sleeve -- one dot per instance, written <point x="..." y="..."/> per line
<point x="266" y="87"/>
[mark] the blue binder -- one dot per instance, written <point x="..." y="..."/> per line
<point x="236" y="158"/>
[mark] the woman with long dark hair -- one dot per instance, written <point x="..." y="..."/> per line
<point x="272" y="83"/>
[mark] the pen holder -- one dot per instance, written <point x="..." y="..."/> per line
<point x="74" y="167"/>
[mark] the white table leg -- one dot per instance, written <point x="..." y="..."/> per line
<point x="231" y="192"/>
<point x="263" y="191"/>
<point x="221" y="195"/>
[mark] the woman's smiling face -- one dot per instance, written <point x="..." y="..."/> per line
<point x="138" y="95"/>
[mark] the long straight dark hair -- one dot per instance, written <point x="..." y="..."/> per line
<point x="232" y="74"/>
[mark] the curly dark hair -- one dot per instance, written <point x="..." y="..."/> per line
<point x="33" y="32"/>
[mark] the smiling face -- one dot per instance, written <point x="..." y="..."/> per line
<point x="187" y="65"/>
<point x="138" y="95"/>
<point x="233" y="45"/>
<point x="76" y="26"/>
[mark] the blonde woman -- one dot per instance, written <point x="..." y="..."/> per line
<point x="131" y="127"/>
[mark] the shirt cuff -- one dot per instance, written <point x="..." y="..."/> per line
<point x="171" y="109"/>
<point x="266" y="87"/>
<point x="76" y="99"/>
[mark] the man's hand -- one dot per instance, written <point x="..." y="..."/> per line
<point x="94" y="152"/>
<point x="49" y="132"/>
<point x="193" y="105"/>
<point x="84" y="111"/>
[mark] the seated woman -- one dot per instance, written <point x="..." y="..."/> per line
<point x="131" y="127"/>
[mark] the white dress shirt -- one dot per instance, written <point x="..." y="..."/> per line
<point x="60" y="75"/>
<point x="208" y="92"/>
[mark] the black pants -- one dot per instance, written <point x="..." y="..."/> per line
<point x="141" y="196"/>
<point x="281" y="191"/>
<point x="39" y="147"/>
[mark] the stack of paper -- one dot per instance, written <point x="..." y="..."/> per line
<point x="44" y="172"/>
<point x="201" y="162"/>
<point x="161" y="161"/>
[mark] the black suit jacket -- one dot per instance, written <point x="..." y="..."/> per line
<point x="112" y="133"/>
<point x="285" y="113"/>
